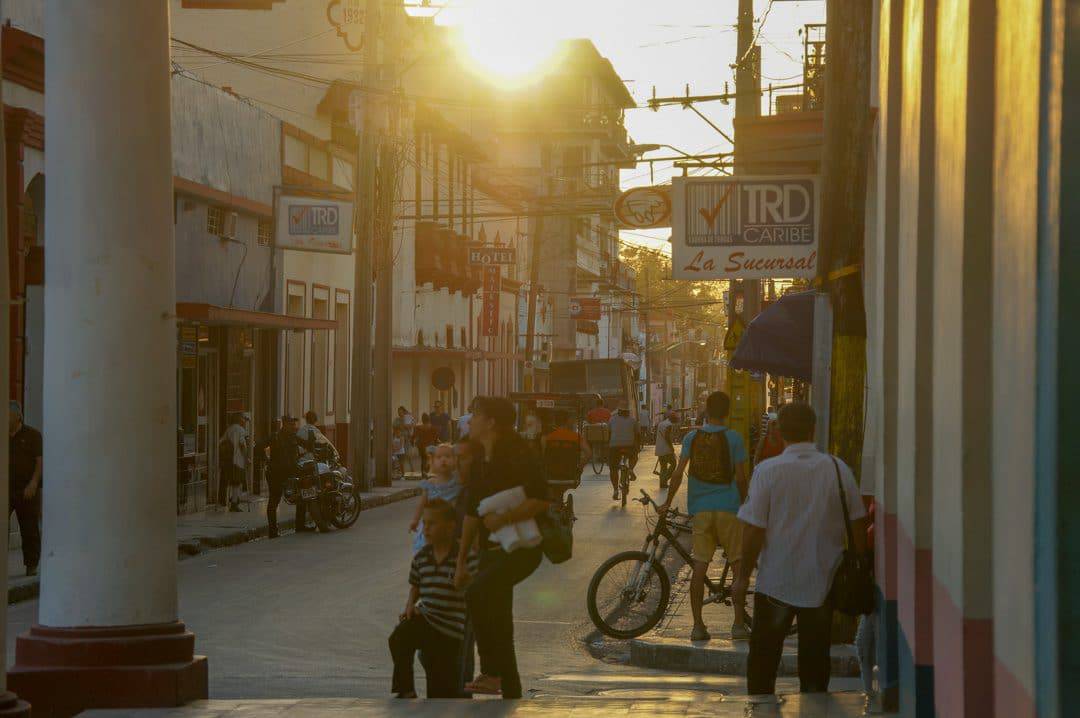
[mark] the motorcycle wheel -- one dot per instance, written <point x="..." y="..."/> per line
<point x="348" y="510"/>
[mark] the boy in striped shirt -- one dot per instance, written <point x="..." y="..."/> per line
<point x="434" y="618"/>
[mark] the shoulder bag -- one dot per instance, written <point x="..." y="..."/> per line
<point x="853" y="586"/>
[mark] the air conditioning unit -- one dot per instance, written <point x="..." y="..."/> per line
<point x="228" y="227"/>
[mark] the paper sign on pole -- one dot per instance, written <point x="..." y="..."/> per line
<point x="745" y="227"/>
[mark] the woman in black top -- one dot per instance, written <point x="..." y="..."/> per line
<point x="507" y="463"/>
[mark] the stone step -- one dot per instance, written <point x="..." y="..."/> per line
<point x="724" y="656"/>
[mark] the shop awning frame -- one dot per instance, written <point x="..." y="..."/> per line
<point x="233" y="317"/>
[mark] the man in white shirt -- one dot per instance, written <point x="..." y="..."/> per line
<point x="464" y="419"/>
<point x="235" y="441"/>
<point x="793" y="522"/>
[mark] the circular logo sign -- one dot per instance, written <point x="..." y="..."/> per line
<point x="442" y="378"/>
<point x="644" y="208"/>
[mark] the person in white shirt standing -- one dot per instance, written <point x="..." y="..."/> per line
<point x="793" y="530"/>
<point x="235" y="442"/>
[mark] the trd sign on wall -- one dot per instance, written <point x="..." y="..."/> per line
<point x="744" y="227"/>
<point x="314" y="224"/>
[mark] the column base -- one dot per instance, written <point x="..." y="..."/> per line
<point x="62" y="671"/>
<point x="12" y="707"/>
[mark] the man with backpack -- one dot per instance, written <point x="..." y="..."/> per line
<point x="716" y="457"/>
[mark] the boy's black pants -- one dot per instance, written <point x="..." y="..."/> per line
<point x="440" y="654"/>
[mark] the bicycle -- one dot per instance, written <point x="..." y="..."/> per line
<point x="629" y="593"/>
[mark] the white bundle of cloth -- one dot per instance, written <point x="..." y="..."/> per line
<point x="511" y="537"/>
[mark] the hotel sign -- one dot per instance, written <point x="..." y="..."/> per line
<point x="745" y="227"/>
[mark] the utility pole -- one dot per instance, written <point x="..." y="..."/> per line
<point x="747" y="106"/>
<point x="534" y="268"/>
<point x="843" y="207"/>
<point x="364" y="217"/>
<point x="384" y="254"/>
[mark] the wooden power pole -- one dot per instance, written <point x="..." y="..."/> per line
<point x="843" y="214"/>
<point x="534" y="270"/>
<point x="364" y="217"/>
<point x="382" y="410"/>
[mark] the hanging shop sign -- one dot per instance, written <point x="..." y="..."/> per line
<point x="492" y="289"/>
<point x="586" y="309"/>
<point x="643" y="208"/>
<point x="488" y="255"/>
<point x="314" y="224"/>
<point x="745" y="227"/>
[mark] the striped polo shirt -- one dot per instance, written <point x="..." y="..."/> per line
<point x="440" y="603"/>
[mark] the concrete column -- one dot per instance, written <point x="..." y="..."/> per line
<point x="108" y="633"/>
<point x="962" y="406"/>
<point x="885" y="333"/>
<point x="915" y="436"/>
<point x="1023" y="122"/>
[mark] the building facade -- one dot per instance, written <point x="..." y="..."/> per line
<point x="971" y="267"/>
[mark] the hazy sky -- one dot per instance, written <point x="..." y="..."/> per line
<point x="652" y="43"/>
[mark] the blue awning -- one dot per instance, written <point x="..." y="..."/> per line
<point x="780" y="340"/>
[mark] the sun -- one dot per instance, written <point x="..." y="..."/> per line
<point x="510" y="42"/>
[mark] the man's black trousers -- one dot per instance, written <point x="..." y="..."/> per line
<point x="491" y="606"/>
<point x="772" y="621"/>
<point x="440" y="654"/>
<point x="667" y="465"/>
<point x="28" y="512"/>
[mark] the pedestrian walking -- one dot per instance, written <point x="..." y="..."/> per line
<point x="665" y="447"/>
<point x="433" y="621"/>
<point x="404" y="424"/>
<point x="427" y="435"/>
<point x="794" y="531"/>
<point x="464" y="419"/>
<point x="714" y="457"/>
<point x="441" y="421"/>
<point x="771" y="444"/>
<point x="507" y="464"/>
<point x="24" y="485"/>
<point x="284" y="451"/>
<point x="234" y="444"/>
<point x="442" y="484"/>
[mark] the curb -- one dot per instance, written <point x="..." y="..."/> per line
<point x="28" y="590"/>
<point x="678" y="655"/>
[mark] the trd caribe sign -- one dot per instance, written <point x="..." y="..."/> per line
<point x="744" y="227"/>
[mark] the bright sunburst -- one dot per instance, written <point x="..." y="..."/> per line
<point x="509" y="41"/>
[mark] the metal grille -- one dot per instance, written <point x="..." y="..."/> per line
<point x="215" y="221"/>
<point x="266" y="231"/>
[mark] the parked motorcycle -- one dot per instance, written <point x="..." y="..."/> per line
<point x="326" y="488"/>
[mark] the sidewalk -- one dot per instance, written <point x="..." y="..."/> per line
<point x="216" y="528"/>
<point x="668" y="646"/>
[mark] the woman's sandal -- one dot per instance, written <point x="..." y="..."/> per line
<point x="487" y="685"/>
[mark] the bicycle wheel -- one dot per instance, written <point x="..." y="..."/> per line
<point x="628" y="595"/>
<point x="597" y="459"/>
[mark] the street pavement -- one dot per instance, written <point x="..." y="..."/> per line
<point x="307" y="616"/>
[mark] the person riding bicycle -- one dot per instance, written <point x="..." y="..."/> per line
<point x="565" y="453"/>
<point x="624" y="441"/>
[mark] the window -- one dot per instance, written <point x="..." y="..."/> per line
<point x="294" y="352"/>
<point x="318" y="163"/>
<point x="341" y="356"/>
<point x="215" y="221"/>
<point x="320" y="309"/>
<point x="449" y="336"/>
<point x="266" y="232"/>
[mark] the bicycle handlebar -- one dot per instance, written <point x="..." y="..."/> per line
<point x="645" y="500"/>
